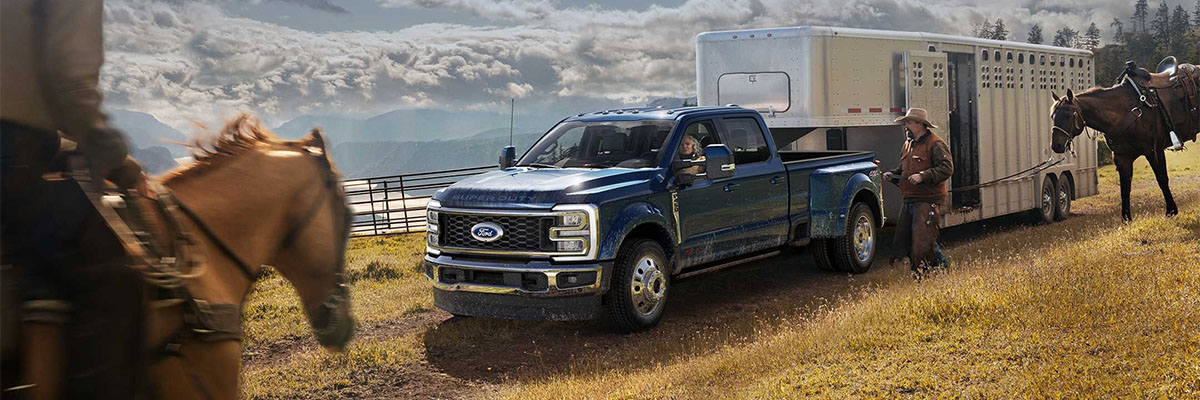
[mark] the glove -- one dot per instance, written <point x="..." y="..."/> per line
<point x="104" y="150"/>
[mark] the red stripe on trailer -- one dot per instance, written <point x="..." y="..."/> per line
<point x="875" y="110"/>
<point x="897" y="109"/>
<point x="854" y="110"/>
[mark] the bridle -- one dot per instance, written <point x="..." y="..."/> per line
<point x="1076" y="119"/>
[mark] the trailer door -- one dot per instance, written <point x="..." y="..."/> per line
<point x="926" y="85"/>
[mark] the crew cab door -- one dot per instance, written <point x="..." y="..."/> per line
<point x="762" y="181"/>
<point x="707" y="211"/>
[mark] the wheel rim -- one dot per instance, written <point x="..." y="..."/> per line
<point x="648" y="286"/>
<point x="864" y="238"/>
<point x="1063" y="200"/>
<point x="1047" y="202"/>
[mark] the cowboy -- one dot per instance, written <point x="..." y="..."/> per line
<point x="82" y="306"/>
<point x="925" y="165"/>
<point x="690" y="150"/>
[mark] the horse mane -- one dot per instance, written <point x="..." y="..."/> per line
<point x="242" y="133"/>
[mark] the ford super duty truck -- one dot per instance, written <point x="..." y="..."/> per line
<point x="607" y="208"/>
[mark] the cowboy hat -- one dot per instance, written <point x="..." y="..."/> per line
<point x="917" y="114"/>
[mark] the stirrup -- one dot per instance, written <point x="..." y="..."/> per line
<point x="1175" y="144"/>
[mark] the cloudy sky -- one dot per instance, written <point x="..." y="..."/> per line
<point x="202" y="61"/>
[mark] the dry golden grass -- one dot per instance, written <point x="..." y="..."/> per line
<point x="1088" y="307"/>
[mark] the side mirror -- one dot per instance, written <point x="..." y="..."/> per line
<point x="718" y="161"/>
<point x="508" y="157"/>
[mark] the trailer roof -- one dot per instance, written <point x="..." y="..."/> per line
<point x="809" y="31"/>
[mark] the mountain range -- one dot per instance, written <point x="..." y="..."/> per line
<point x="396" y="142"/>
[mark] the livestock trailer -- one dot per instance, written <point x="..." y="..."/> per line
<point x="824" y="88"/>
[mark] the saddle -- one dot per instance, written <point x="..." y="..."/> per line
<point x="1174" y="90"/>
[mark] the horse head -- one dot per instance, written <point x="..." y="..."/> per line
<point x="1067" y="119"/>
<point x="312" y="254"/>
<point x="266" y="201"/>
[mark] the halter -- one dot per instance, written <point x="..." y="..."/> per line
<point x="1077" y="120"/>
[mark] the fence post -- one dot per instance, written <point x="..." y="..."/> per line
<point x="371" y="200"/>
<point x="404" y="205"/>
<point x="387" y="204"/>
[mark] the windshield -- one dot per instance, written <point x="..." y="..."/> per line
<point x="625" y="144"/>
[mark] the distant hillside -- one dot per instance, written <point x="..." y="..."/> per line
<point x="672" y="102"/>
<point x="145" y="131"/>
<point x="412" y="126"/>
<point x="359" y="160"/>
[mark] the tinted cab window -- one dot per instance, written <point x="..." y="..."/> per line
<point x="746" y="140"/>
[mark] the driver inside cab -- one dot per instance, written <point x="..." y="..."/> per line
<point x="690" y="150"/>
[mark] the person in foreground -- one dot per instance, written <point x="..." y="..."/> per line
<point x="925" y="165"/>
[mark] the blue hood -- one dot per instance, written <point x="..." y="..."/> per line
<point x="538" y="188"/>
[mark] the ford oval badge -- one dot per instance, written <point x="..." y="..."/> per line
<point x="487" y="232"/>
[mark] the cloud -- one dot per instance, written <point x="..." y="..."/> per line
<point x="185" y="61"/>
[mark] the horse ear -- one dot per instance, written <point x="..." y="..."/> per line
<point x="1054" y="95"/>
<point x="315" y="141"/>
<point x="1070" y="95"/>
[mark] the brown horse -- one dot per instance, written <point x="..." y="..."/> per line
<point x="250" y="200"/>
<point x="1132" y="128"/>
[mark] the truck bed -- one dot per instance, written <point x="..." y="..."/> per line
<point x="818" y="182"/>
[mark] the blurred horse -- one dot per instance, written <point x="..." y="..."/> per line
<point x="248" y="200"/>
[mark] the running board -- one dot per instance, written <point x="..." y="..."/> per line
<point x="728" y="264"/>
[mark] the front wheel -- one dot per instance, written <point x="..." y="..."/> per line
<point x="855" y="250"/>
<point x="641" y="282"/>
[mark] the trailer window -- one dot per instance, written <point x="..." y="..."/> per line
<point x="1043" y="59"/>
<point x="744" y="137"/>
<point x="997" y="55"/>
<point x="1010" y="58"/>
<point x="1020" y="58"/>
<point x="985" y="55"/>
<point x="1072" y="63"/>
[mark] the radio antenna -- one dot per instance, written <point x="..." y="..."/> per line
<point x="512" y="108"/>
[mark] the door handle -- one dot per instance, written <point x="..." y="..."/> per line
<point x="731" y="187"/>
<point x="775" y="180"/>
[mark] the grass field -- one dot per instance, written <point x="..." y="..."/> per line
<point x="1088" y="307"/>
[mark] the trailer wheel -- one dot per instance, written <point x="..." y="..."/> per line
<point x="1047" y="201"/>
<point x="823" y="254"/>
<point x="1063" y="194"/>
<point x="640" y="284"/>
<point x="855" y="250"/>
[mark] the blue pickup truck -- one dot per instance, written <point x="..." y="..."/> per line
<point x="607" y="208"/>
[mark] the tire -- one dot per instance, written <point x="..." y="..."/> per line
<point x="640" y="285"/>
<point x="855" y="250"/>
<point x="1047" y="201"/>
<point x="822" y="253"/>
<point x="1063" y="197"/>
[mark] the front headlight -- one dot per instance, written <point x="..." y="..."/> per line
<point x="432" y="228"/>
<point x="574" y="231"/>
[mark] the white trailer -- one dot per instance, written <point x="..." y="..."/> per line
<point x="823" y="88"/>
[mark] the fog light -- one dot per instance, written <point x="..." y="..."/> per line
<point x="573" y="245"/>
<point x="433" y="239"/>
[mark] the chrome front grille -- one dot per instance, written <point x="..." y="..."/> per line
<point x="521" y="233"/>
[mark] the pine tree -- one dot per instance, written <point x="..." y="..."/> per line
<point x="1181" y="24"/>
<point x="1091" y="38"/>
<point x="1162" y="26"/>
<point x="1197" y="13"/>
<point x="999" y="31"/>
<point x="1141" y="10"/>
<point x="1035" y="34"/>
<point x="1066" y="37"/>
<point x="1118" y="30"/>
<point x="984" y="30"/>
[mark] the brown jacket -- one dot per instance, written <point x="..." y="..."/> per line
<point x="930" y="157"/>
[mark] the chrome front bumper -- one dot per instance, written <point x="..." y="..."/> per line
<point x="512" y="277"/>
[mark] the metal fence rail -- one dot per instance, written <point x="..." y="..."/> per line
<point x="396" y="203"/>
